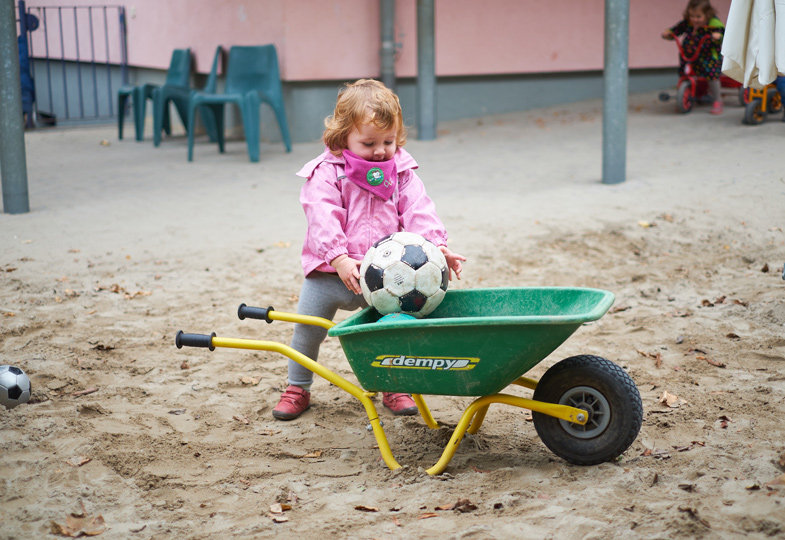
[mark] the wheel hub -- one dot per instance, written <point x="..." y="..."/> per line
<point x="597" y="409"/>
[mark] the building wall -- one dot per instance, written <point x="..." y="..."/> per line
<point x="473" y="37"/>
<point x="492" y="57"/>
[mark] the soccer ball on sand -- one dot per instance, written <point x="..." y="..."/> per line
<point x="14" y="386"/>
<point x="405" y="273"/>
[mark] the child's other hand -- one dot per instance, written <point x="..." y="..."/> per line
<point x="667" y="34"/>
<point x="453" y="261"/>
<point x="716" y="35"/>
<point x="349" y="271"/>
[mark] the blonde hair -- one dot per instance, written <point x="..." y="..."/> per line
<point x="365" y="101"/>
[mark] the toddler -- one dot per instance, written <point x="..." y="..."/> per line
<point x="348" y="210"/>
<point x="700" y="19"/>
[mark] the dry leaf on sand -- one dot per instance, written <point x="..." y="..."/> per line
<point x="80" y="524"/>
<point x="671" y="400"/>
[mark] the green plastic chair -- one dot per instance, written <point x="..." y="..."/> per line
<point x="252" y="77"/>
<point x="177" y="75"/>
<point x="179" y="96"/>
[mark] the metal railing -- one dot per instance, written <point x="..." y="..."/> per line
<point x="78" y="59"/>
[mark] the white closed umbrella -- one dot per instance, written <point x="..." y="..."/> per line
<point x="753" y="47"/>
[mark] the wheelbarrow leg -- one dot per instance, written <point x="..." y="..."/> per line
<point x="479" y="416"/>
<point x="457" y="435"/>
<point x="476" y="412"/>
<point x="378" y="431"/>
<point x="425" y="412"/>
<point x="474" y="427"/>
<point x="337" y="380"/>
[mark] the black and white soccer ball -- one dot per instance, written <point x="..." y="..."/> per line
<point x="15" y="386"/>
<point x="404" y="273"/>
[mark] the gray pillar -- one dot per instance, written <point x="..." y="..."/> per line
<point x="387" y="52"/>
<point x="13" y="166"/>
<point x="614" y="109"/>
<point x="426" y="71"/>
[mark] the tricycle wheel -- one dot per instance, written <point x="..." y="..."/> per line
<point x="753" y="112"/>
<point x="774" y="99"/>
<point x="744" y="96"/>
<point x="685" y="96"/>
<point x="606" y="392"/>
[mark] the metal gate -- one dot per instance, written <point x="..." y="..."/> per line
<point x="78" y="59"/>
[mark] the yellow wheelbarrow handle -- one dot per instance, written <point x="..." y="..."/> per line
<point x="270" y="314"/>
<point x="337" y="380"/>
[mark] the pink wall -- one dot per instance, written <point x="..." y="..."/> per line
<point x="339" y="39"/>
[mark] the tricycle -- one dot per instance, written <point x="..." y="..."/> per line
<point x="759" y="102"/>
<point x="691" y="88"/>
<point x="586" y="409"/>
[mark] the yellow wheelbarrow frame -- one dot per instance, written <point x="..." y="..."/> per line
<point x="470" y="420"/>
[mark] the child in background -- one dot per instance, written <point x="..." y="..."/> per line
<point x="346" y="214"/>
<point x="700" y="19"/>
<point x="780" y="82"/>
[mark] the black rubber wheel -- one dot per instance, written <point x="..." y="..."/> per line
<point x="606" y="392"/>
<point x="685" y="97"/>
<point x="753" y="112"/>
<point x="743" y="96"/>
<point x="774" y="100"/>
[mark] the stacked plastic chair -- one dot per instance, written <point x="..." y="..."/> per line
<point x="252" y="77"/>
<point x="177" y="75"/>
<point x="180" y="96"/>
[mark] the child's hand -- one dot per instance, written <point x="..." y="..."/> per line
<point x="349" y="271"/>
<point x="453" y="261"/>
<point x="716" y="35"/>
<point x="667" y="34"/>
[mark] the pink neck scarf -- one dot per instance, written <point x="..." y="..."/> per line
<point x="378" y="177"/>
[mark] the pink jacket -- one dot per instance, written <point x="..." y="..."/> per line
<point x="344" y="218"/>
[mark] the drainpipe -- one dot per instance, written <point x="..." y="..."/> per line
<point x="387" y="52"/>
<point x="13" y="164"/>
<point x="426" y="71"/>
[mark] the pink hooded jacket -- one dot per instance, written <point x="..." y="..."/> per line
<point x="345" y="219"/>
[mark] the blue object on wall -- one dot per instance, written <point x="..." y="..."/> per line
<point x="28" y="87"/>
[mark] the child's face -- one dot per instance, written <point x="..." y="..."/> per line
<point x="371" y="143"/>
<point x="697" y="18"/>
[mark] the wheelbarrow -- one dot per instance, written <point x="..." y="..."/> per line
<point x="585" y="408"/>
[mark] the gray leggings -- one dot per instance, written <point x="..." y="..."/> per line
<point x="321" y="296"/>
<point x="714" y="89"/>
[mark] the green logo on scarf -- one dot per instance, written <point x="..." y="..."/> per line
<point x="375" y="176"/>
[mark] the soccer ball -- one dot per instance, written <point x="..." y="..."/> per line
<point x="406" y="273"/>
<point x="14" y="386"/>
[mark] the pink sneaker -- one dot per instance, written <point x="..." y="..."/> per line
<point x="716" y="107"/>
<point x="294" y="402"/>
<point x="399" y="404"/>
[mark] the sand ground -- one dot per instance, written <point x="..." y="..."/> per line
<point x="126" y="244"/>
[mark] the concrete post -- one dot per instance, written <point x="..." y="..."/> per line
<point x="13" y="164"/>
<point x="387" y="52"/>
<point x="426" y="71"/>
<point x="614" y="110"/>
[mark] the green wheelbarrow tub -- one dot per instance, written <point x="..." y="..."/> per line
<point x="475" y="343"/>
